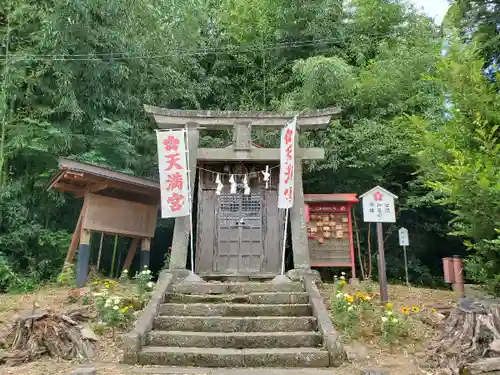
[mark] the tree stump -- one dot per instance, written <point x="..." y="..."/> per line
<point x="470" y="340"/>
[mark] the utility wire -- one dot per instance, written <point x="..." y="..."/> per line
<point x="254" y="47"/>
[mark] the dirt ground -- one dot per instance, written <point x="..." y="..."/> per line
<point x="396" y="361"/>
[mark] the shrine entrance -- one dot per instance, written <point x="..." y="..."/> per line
<point x="240" y="247"/>
<point x="237" y="233"/>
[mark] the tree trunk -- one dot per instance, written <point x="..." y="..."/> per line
<point x="470" y="340"/>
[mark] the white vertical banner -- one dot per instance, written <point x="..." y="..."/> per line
<point x="174" y="174"/>
<point x="287" y="165"/>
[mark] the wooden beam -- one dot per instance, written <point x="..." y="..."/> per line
<point x="63" y="186"/>
<point x="131" y="253"/>
<point x="75" y="239"/>
<point x="216" y="120"/>
<point x="256" y="154"/>
<point x="94" y="188"/>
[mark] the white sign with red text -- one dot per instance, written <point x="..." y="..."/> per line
<point x="174" y="177"/>
<point x="287" y="165"/>
<point x="378" y="206"/>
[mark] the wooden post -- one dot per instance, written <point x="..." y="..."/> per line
<point x="382" y="275"/>
<point x="180" y="238"/>
<point x="82" y="267"/>
<point x="131" y="253"/>
<point x="351" y="240"/>
<point x="298" y="223"/>
<point x="145" y="251"/>
<point x="75" y="238"/>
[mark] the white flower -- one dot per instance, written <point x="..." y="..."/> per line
<point x="115" y="307"/>
<point x="108" y="302"/>
<point x="117" y="300"/>
<point x="151" y="284"/>
<point x="389" y="313"/>
<point x="148" y="272"/>
<point x="339" y="295"/>
<point x="384" y="319"/>
<point x="350" y="308"/>
<point x="97" y="294"/>
<point x="346" y="295"/>
<point x="368" y="298"/>
<point x="342" y="277"/>
<point x="395" y="320"/>
<point x="125" y="271"/>
<point x="342" y="273"/>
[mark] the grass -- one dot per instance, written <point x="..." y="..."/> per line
<point x="395" y="360"/>
<point x="401" y="358"/>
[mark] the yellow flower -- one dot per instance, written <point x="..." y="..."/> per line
<point x="388" y="306"/>
<point x="342" y="282"/>
<point x="405" y="310"/>
<point x="433" y="310"/>
<point x="125" y="309"/>
<point x="415" y="309"/>
<point x="349" y="299"/>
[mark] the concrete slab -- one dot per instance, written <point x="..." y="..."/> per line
<point x="218" y="357"/>
<point x="235" y="324"/>
<point x="234" y="309"/>
<point x="176" y="370"/>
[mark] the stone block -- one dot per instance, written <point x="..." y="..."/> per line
<point x="234" y="324"/>
<point x="84" y="371"/>
<point x="234" y="309"/>
<point x="219" y="357"/>
<point x="235" y="340"/>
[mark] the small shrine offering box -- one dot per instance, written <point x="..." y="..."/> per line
<point x="329" y="230"/>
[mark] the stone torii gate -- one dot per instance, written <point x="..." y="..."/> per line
<point x="243" y="150"/>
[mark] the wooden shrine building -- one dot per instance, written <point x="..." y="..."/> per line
<point x="114" y="203"/>
<point x="240" y="234"/>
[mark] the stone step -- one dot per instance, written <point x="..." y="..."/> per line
<point x="237" y="340"/>
<point x="235" y="324"/>
<point x="218" y="357"/>
<point x="257" y="298"/>
<point x="234" y="309"/>
<point x="236" y="288"/>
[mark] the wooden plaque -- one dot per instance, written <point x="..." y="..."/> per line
<point x="116" y="216"/>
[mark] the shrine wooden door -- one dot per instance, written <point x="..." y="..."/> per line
<point x="240" y="245"/>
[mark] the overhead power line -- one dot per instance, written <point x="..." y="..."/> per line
<point x="186" y="51"/>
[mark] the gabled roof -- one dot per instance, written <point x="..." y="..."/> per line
<point x="80" y="178"/>
<point x="381" y="189"/>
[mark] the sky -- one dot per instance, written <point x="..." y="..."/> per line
<point x="433" y="8"/>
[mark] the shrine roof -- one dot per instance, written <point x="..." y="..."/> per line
<point x="213" y="120"/>
<point x="80" y="178"/>
<point x="324" y="198"/>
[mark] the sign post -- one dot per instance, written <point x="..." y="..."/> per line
<point x="404" y="241"/>
<point x="378" y="207"/>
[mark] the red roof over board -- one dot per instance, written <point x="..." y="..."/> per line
<point x="323" y="198"/>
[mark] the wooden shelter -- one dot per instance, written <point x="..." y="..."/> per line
<point x="329" y="230"/>
<point x="114" y="203"/>
<point x="240" y="234"/>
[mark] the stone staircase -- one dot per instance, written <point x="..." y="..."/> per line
<point x="248" y="324"/>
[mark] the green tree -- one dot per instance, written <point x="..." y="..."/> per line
<point x="460" y="158"/>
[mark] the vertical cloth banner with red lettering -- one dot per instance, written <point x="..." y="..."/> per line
<point x="174" y="174"/>
<point x="287" y="165"/>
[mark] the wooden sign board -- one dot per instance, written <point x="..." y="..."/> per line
<point x="329" y="233"/>
<point x="116" y="216"/>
